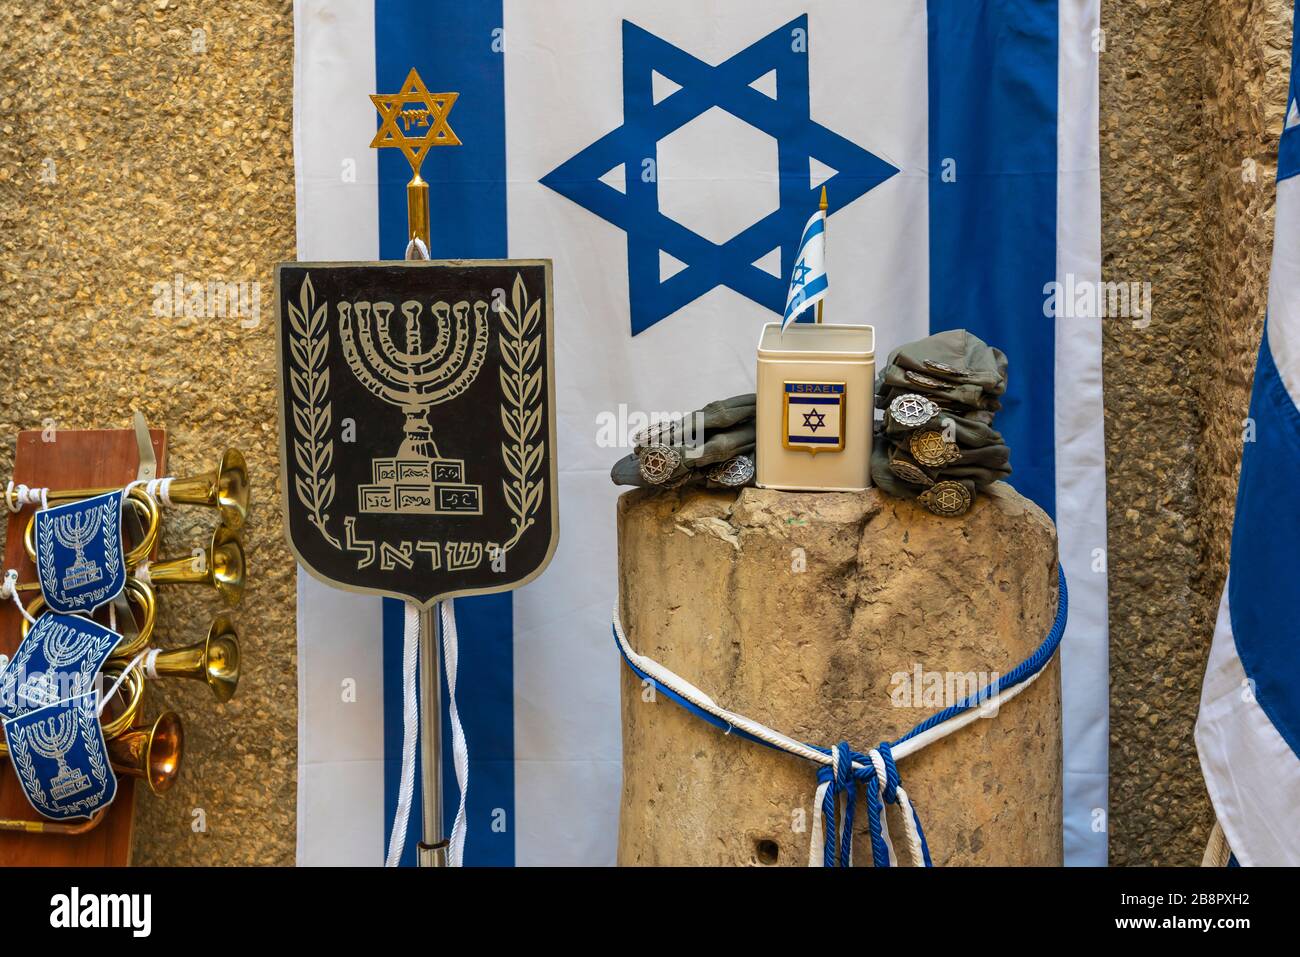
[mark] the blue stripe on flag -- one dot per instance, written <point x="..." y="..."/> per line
<point x="993" y="95"/>
<point x="451" y="45"/>
<point x="815" y="228"/>
<point x="1266" y="552"/>
<point x="814" y="288"/>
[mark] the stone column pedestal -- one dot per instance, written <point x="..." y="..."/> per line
<point x="835" y="616"/>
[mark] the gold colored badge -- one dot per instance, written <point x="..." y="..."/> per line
<point x="946" y="498"/>
<point x="931" y="448"/>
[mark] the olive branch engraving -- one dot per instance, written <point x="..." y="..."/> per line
<point x="23" y="759"/>
<point x="45" y="551"/>
<point x="521" y="408"/>
<point x="89" y="719"/>
<point x="309" y="379"/>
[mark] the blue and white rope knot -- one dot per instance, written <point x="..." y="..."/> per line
<point x="832" y="838"/>
<point x="841" y="769"/>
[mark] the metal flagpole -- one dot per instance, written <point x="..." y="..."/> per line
<point x="433" y="848"/>
<point x="822" y="206"/>
<point x="414" y="106"/>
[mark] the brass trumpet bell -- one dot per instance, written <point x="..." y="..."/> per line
<point x="222" y="567"/>
<point x="154" y="755"/>
<point x="215" y="660"/>
<point x="137" y="499"/>
<point x="225" y="488"/>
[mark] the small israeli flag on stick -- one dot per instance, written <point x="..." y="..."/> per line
<point x="808" y="281"/>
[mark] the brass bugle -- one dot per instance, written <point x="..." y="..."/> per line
<point x="137" y="498"/>
<point x="144" y="606"/>
<point x="154" y="755"/>
<point x="117" y="725"/>
<point x="224" y="488"/>
<point x="215" y="660"/>
<point x="222" y="567"/>
<point x="42" y="826"/>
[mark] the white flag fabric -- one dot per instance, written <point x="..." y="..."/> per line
<point x="666" y="155"/>
<point x="1248" y="730"/>
<point x="808" y="281"/>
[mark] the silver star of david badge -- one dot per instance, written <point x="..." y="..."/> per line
<point x="734" y="472"/>
<point x="658" y="463"/>
<point x="912" y="411"/>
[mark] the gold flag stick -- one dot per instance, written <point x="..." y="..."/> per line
<point x="414" y="106"/>
<point x="822" y="301"/>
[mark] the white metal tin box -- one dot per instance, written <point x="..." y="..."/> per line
<point x="816" y="387"/>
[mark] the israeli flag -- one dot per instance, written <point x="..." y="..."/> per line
<point x="808" y="282"/>
<point x="666" y="154"/>
<point x="1248" y="730"/>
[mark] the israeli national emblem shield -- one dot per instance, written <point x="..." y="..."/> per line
<point x="59" y="755"/>
<point x="814" y="416"/>
<point x="58" y="659"/>
<point x="417" y="432"/>
<point x="79" y="556"/>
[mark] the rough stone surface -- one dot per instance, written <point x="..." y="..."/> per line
<point x="128" y="156"/>
<point x="1192" y="99"/>
<point x="806" y="612"/>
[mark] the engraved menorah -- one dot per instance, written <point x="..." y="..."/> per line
<point x="414" y="378"/>
<point x="64" y="644"/>
<point x="75" y="530"/>
<point x="52" y="738"/>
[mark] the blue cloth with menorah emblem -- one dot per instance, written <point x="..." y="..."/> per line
<point x="58" y="659"/>
<point x="79" y="556"/>
<point x="59" y="755"/>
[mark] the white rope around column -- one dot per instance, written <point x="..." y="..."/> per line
<point x="947" y="722"/>
<point x="459" y="746"/>
<point x="695" y="696"/>
<point x="410" y="732"/>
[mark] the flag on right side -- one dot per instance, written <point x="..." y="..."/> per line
<point x="1248" y="730"/>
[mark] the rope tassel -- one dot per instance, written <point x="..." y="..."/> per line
<point x="833" y="809"/>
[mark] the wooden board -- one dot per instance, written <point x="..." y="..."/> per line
<point x="76" y="459"/>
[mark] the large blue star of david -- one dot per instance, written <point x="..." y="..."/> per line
<point x="787" y="119"/>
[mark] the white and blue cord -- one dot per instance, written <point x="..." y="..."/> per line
<point x="841" y="768"/>
<point x="411" y="733"/>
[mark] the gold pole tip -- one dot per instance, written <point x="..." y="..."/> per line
<point x="822" y="204"/>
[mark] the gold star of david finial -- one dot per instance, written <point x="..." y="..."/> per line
<point x="414" y="107"/>
<point x="414" y="120"/>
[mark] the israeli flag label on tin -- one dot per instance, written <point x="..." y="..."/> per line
<point x="814" y="416"/>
